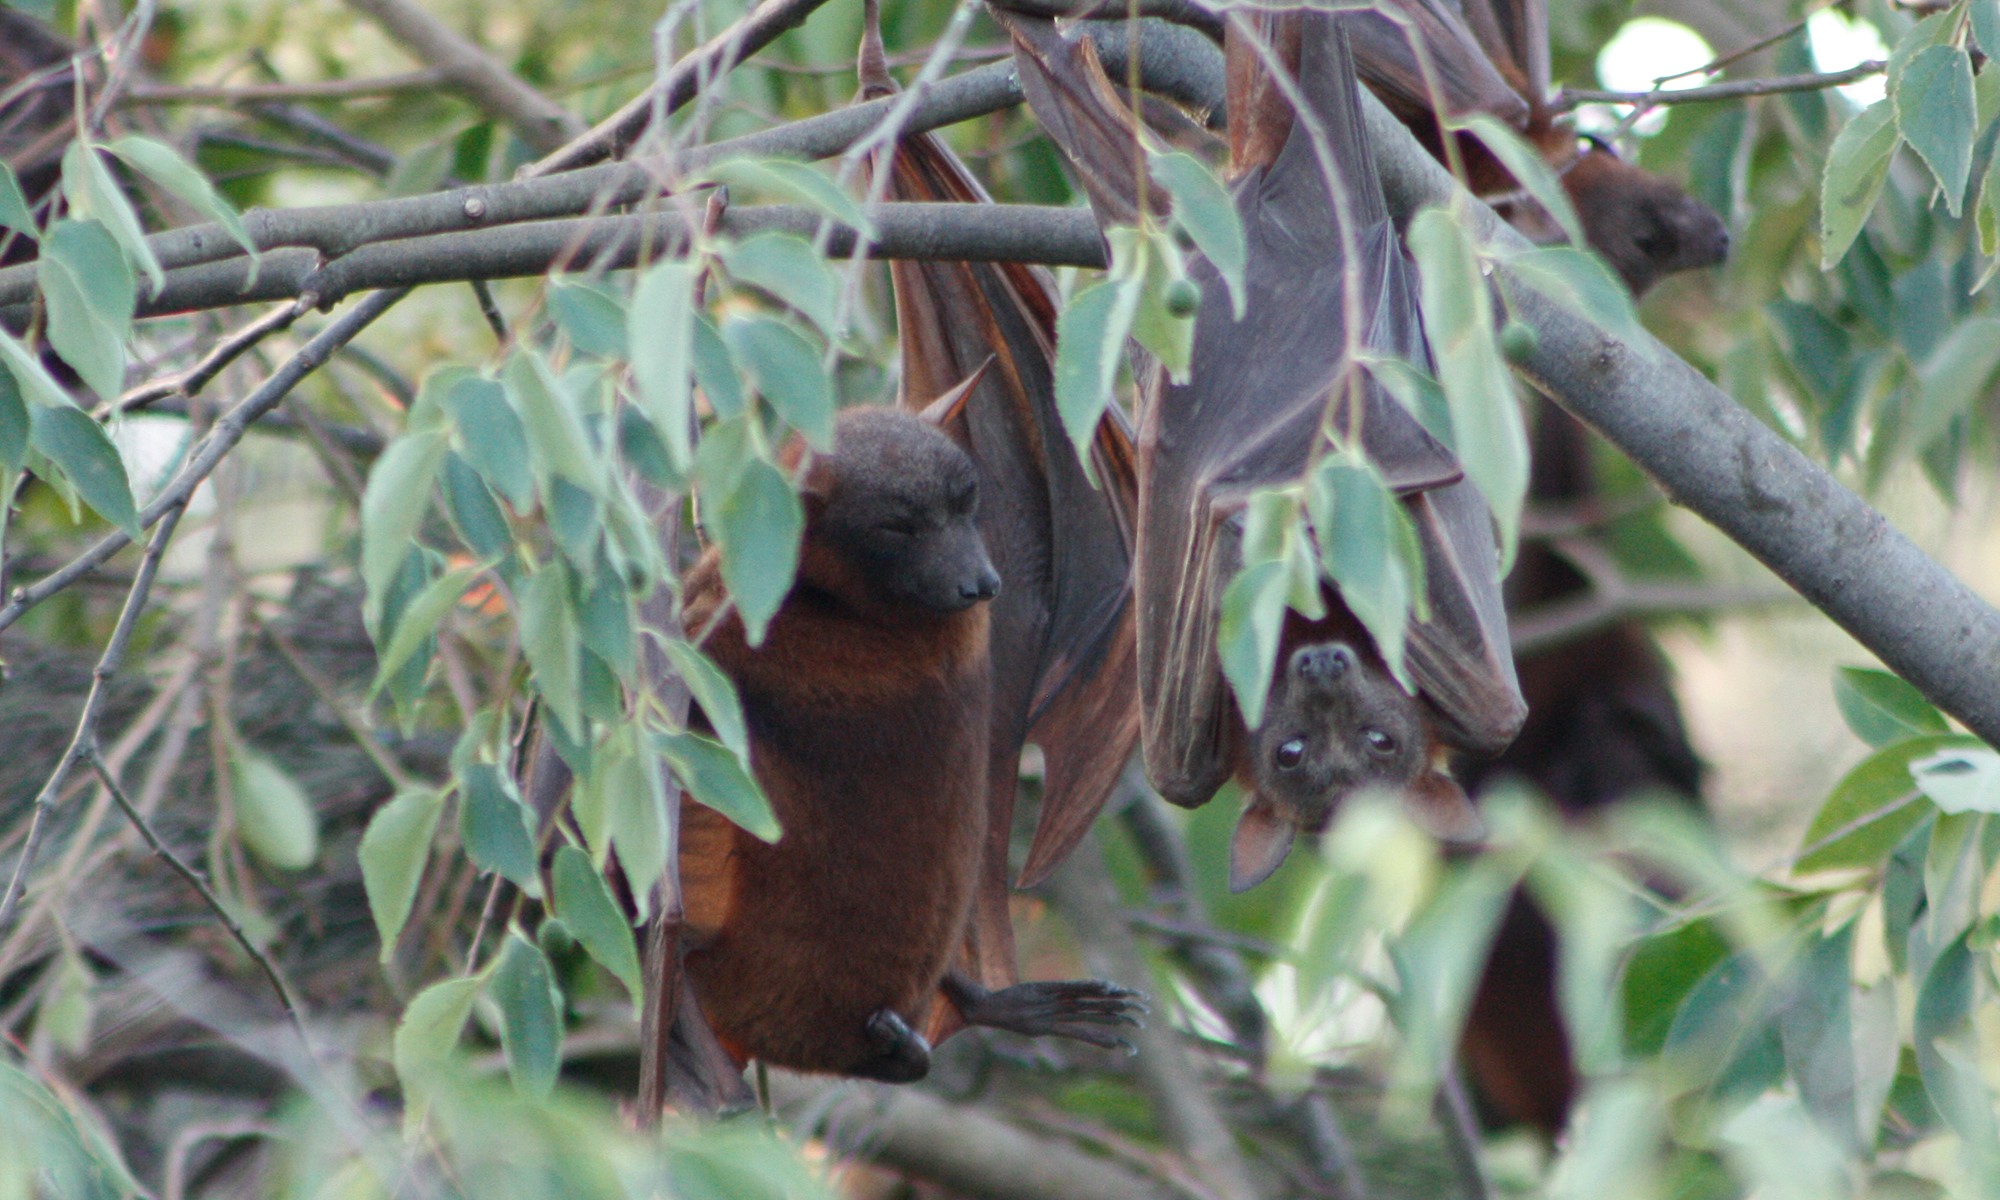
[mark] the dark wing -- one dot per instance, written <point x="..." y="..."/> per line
<point x="1062" y="625"/>
<point x="1515" y="34"/>
<point x="1466" y="53"/>
<point x="1250" y="415"/>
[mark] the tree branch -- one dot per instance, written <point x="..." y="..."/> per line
<point x="498" y="92"/>
<point x="1569" y="98"/>
<point x="1711" y="455"/>
<point x="966" y="1151"/>
<point x="232" y="95"/>
<point x="977" y="233"/>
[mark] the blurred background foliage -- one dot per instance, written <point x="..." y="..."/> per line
<point x="1795" y="1000"/>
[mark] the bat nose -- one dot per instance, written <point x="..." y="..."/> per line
<point x="984" y="587"/>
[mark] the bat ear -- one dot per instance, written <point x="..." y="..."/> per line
<point x="1263" y="838"/>
<point x="1435" y="801"/>
<point x="949" y="409"/>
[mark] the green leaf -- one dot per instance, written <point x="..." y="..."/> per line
<point x="1458" y="314"/>
<point x="1579" y="282"/>
<point x="1367" y="545"/>
<point x="592" y="319"/>
<point x="496" y="827"/>
<point x="624" y="804"/>
<point x="474" y="512"/>
<point x="13" y="427"/>
<point x="36" y="385"/>
<point x="1090" y="343"/>
<point x="576" y="518"/>
<point x="1935" y="112"/>
<point x="174" y="173"/>
<point x="1880" y="708"/>
<point x="715" y="694"/>
<point x="715" y="777"/>
<point x="495" y="442"/>
<point x="1246" y="635"/>
<point x="1526" y="164"/>
<point x="393" y="506"/>
<point x="1955" y="376"/>
<point x="14" y="211"/>
<point x="1782" y="1154"/>
<point x="757" y="525"/>
<point x="585" y="905"/>
<point x="1960" y="780"/>
<point x="426" y="1037"/>
<point x="1611" y="1149"/>
<point x="1814" y="1029"/>
<point x="273" y="813"/>
<point x="1416" y="391"/>
<point x="92" y="192"/>
<point x="90" y="292"/>
<point x="549" y="639"/>
<point x="1204" y="210"/>
<point x="715" y="371"/>
<point x="557" y="443"/>
<point x="1594" y="927"/>
<point x="796" y="182"/>
<point x="784" y="265"/>
<point x="530" y="1016"/>
<point x="419" y="621"/>
<point x="659" y="331"/>
<point x="1948" y="1051"/>
<point x="1985" y="16"/>
<point x="1856" y="166"/>
<point x="393" y="852"/>
<point x="640" y="446"/>
<point x="1438" y="960"/>
<point x="67" y="437"/>
<point x="1162" y="322"/>
<point x="787" y="371"/>
<point x="1873" y="806"/>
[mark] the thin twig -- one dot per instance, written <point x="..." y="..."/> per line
<point x="488" y="308"/>
<point x="610" y="137"/>
<point x="268" y="93"/>
<point x="208" y="897"/>
<point x="227" y="432"/>
<point x="83" y="743"/>
<point x="1461" y="1133"/>
<point x="1569" y="98"/>
<point x="190" y="381"/>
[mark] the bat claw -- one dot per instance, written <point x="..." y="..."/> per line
<point x="1058" y="1008"/>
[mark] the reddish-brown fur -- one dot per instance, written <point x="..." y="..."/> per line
<point x="868" y="730"/>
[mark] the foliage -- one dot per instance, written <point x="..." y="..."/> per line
<point x="1826" y="1027"/>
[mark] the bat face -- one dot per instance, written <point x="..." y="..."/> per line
<point x="1331" y="726"/>
<point x="900" y="500"/>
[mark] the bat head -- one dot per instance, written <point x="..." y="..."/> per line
<point x="1644" y="226"/>
<point x="1336" y="723"/>
<point x="891" y="517"/>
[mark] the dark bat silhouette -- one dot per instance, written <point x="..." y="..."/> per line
<point x="1250" y="417"/>
<point x="1492" y="56"/>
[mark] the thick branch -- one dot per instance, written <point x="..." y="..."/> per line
<point x="978" y="233"/>
<point x="966" y="1151"/>
<point x="336" y="229"/>
<point x="1710" y="455"/>
<point x="539" y="121"/>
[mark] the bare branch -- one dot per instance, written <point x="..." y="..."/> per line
<point x="966" y="1151"/>
<point x="233" y="95"/>
<point x="190" y="382"/>
<point x="1193" y="15"/>
<point x="220" y="440"/>
<point x="83" y="743"/>
<point x="539" y="121"/>
<point x="1569" y="98"/>
<point x="616" y="133"/>
<point x="982" y="233"/>
<point x="200" y="885"/>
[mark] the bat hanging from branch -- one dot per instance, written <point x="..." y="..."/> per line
<point x="1253" y="416"/>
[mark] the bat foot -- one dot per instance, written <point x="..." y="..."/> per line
<point x="1085" y="1010"/>
<point x="903" y="1056"/>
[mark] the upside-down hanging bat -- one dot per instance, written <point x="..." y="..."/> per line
<point x="927" y="871"/>
<point x="1251" y="417"/>
<point x="868" y="706"/>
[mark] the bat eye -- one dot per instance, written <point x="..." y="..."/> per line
<point x="1289" y="755"/>
<point x="1379" y="742"/>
